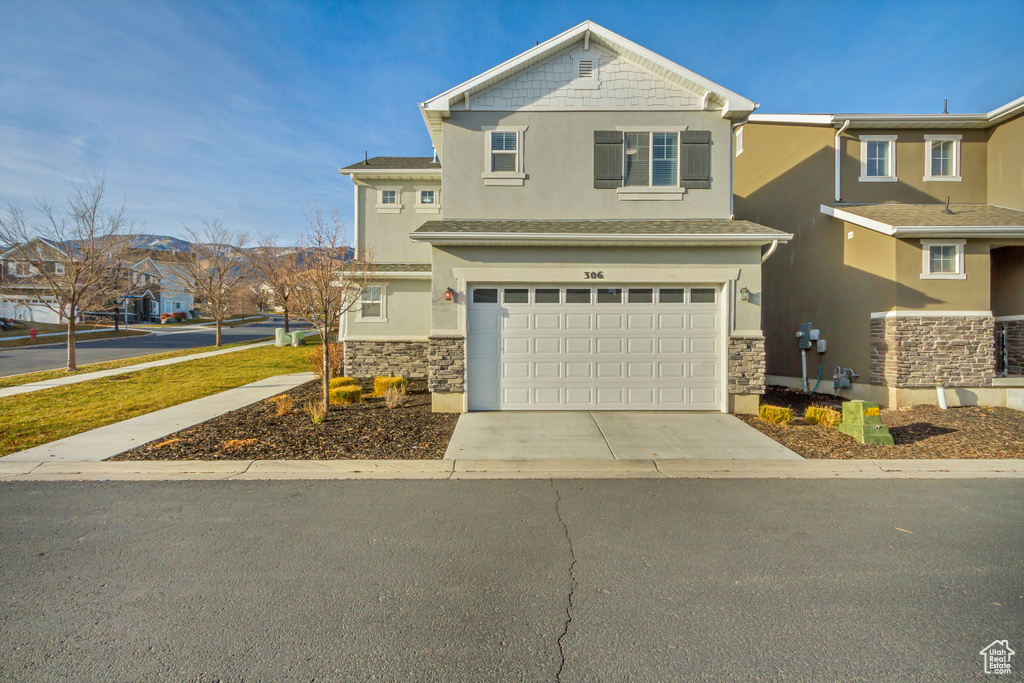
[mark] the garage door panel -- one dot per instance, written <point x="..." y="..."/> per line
<point x="595" y="356"/>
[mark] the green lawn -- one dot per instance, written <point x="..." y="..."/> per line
<point x="44" y="416"/>
<point x="109" y="365"/>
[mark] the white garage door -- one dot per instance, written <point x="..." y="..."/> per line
<point x="594" y="348"/>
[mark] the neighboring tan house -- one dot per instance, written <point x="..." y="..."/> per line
<point x="905" y="292"/>
<point x="572" y="247"/>
<point x="161" y="288"/>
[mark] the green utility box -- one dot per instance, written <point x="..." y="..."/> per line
<point x="298" y="338"/>
<point x="863" y="421"/>
<point x="281" y="338"/>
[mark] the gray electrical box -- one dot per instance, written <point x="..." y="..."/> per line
<point x="803" y="337"/>
<point x="822" y="346"/>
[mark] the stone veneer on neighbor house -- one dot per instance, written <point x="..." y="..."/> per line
<point x="386" y="358"/>
<point x="917" y="351"/>
<point x="446" y="360"/>
<point x="746" y="365"/>
<point x="1010" y="354"/>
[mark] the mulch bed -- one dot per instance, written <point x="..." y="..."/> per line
<point x="359" y="431"/>
<point x="919" y="431"/>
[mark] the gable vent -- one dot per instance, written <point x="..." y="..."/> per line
<point x="586" y="68"/>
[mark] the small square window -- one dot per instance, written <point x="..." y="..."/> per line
<point x="942" y="157"/>
<point x="577" y="296"/>
<point x="672" y="296"/>
<point x="942" y="260"/>
<point x="58" y="268"/>
<point x="609" y="296"/>
<point x="485" y="296"/>
<point x="702" y="296"/>
<point x="546" y="296"/>
<point x="641" y="296"/>
<point x="426" y="196"/>
<point x="388" y="197"/>
<point x="517" y="296"/>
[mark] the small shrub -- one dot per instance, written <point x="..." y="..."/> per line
<point x="776" y="415"/>
<point x="822" y="415"/>
<point x="164" y="317"/>
<point x="382" y="384"/>
<point x="283" y="404"/>
<point x="179" y="316"/>
<point x="337" y="360"/>
<point x="394" y="397"/>
<point x="315" y="410"/>
<point x="342" y="382"/>
<point x="347" y="394"/>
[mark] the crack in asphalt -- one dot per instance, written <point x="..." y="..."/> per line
<point x="572" y="581"/>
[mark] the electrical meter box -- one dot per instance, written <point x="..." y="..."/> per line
<point x="803" y="337"/>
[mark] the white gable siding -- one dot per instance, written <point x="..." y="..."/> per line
<point x="553" y="85"/>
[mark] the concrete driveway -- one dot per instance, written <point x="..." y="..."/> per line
<point x="610" y="436"/>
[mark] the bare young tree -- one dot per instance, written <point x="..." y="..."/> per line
<point x="327" y="283"/>
<point x="275" y="267"/>
<point x="217" y="269"/>
<point x="73" y="260"/>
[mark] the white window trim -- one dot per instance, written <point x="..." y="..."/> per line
<point x="58" y="269"/>
<point x="517" y="177"/>
<point x="926" y="263"/>
<point x="389" y="208"/>
<point x="651" y="192"/>
<point x="928" y="140"/>
<point x="428" y="208"/>
<point x="864" y="177"/>
<point x="739" y="141"/>
<point x="383" y="306"/>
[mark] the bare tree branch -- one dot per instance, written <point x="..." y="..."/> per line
<point x="218" y="270"/>
<point x="275" y="267"/>
<point x="74" y="260"/>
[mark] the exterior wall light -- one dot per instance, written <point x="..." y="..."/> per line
<point x="449" y="294"/>
<point x="745" y="294"/>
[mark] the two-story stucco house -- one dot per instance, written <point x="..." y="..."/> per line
<point x="571" y="246"/>
<point x="906" y="290"/>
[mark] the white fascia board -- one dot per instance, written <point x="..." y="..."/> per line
<point x="736" y="104"/>
<point x="1006" y="111"/>
<point x="959" y="231"/>
<point x="410" y="275"/>
<point x="877" y="226"/>
<point x="569" y="239"/>
<point x="425" y="173"/>
<point x="811" y="119"/>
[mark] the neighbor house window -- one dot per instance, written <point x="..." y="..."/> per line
<point x="389" y="200"/>
<point x="426" y="196"/>
<point x="58" y="268"/>
<point x="942" y="157"/>
<point x="427" y="200"/>
<point x="503" y="164"/>
<point x="22" y="268"/>
<point x="371" y="303"/>
<point x="942" y="260"/>
<point x="878" y="158"/>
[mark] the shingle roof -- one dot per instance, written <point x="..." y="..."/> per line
<point x="706" y="226"/>
<point x="402" y="267"/>
<point x="395" y="164"/>
<point x="964" y="215"/>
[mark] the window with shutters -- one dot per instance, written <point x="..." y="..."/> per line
<point x="656" y="159"/>
<point x="504" y="157"/>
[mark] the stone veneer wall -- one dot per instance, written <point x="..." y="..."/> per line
<point x="915" y="351"/>
<point x="386" y="358"/>
<point x="1013" y="331"/>
<point x="746" y="365"/>
<point x="446" y="360"/>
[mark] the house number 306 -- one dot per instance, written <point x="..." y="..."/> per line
<point x="593" y="275"/>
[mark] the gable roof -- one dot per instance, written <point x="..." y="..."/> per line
<point x="733" y="106"/>
<point x="864" y="121"/>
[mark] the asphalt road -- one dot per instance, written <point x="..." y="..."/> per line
<point x="15" y="361"/>
<point x="642" y="580"/>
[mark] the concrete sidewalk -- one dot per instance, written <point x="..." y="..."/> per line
<point x="75" y="379"/>
<point x="254" y="470"/>
<point x="106" y="442"/>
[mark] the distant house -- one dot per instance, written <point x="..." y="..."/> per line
<point x="161" y="287"/>
<point x="24" y="293"/>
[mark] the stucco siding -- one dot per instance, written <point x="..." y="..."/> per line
<point x="384" y="237"/>
<point x="1006" y="164"/>
<point x="558" y="160"/>
<point x="407" y="309"/>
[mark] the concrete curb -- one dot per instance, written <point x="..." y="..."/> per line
<point x="75" y="379"/>
<point x="146" y="333"/>
<point x="265" y="470"/>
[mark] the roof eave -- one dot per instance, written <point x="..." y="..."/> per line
<point x="965" y="231"/>
<point x="619" y="239"/>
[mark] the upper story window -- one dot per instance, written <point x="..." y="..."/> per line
<point x="942" y="260"/>
<point x="58" y="268"/>
<point x="942" y="157"/>
<point x="389" y="200"/>
<point x="665" y="160"/>
<point x="427" y="200"/>
<point x="22" y="269"/>
<point x="878" y="158"/>
<point x="371" y="303"/>
<point x="503" y="164"/>
<point x="652" y="160"/>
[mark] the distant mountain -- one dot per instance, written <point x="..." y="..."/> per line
<point x="160" y="243"/>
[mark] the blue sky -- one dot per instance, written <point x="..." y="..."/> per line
<point x="244" y="111"/>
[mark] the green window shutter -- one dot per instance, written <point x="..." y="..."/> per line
<point x="695" y="159"/>
<point x="607" y="159"/>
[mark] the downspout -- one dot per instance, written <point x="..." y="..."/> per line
<point x="839" y="193"/>
<point x="771" y="250"/>
<point x="355" y="219"/>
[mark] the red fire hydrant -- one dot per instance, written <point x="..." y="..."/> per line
<point x="32" y="333"/>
